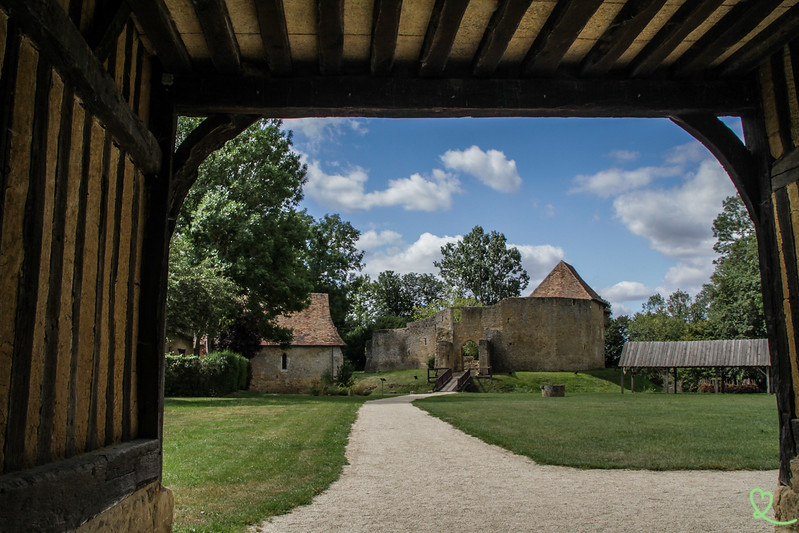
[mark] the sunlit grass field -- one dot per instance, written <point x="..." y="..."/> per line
<point x="234" y="461"/>
<point x="639" y="431"/>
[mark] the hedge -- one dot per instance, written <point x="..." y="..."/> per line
<point x="217" y="374"/>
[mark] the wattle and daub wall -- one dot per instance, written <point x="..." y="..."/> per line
<point x="524" y="334"/>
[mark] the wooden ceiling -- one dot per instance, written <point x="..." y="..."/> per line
<point x="332" y="43"/>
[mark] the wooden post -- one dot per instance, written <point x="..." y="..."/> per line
<point x="621" y="371"/>
<point x="675" y="380"/>
<point x="632" y="381"/>
<point x="718" y="376"/>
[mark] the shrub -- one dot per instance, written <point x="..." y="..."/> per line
<point x="219" y="373"/>
<point x="344" y="375"/>
<point x="743" y="388"/>
<point x="431" y="362"/>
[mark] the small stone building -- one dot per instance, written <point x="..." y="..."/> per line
<point x="315" y="349"/>
<point x="559" y="327"/>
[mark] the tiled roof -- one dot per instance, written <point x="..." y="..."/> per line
<point x="565" y="282"/>
<point x="312" y="326"/>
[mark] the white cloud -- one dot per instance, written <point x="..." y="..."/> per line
<point x="624" y="155"/>
<point x="369" y="240"/>
<point x="677" y="221"/>
<point x="347" y="190"/>
<point x="614" y="181"/>
<point x="689" y="153"/>
<point x="318" y="130"/>
<point x="418" y="257"/>
<point x="626" y="291"/>
<point x="491" y="167"/>
<point x="688" y="275"/>
<point x="538" y="261"/>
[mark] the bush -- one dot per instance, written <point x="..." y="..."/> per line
<point x="743" y="388"/>
<point x="219" y="373"/>
<point x="344" y="375"/>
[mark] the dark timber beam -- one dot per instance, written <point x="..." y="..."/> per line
<point x="160" y="29"/>
<point x="274" y="35"/>
<point x="769" y="41"/>
<point x="330" y="35"/>
<point x="441" y="31"/>
<point x="218" y="31"/>
<point x="558" y="34"/>
<point x="501" y="28"/>
<point x="735" y="25"/>
<point x="418" y="97"/>
<point x="629" y="23"/>
<point x="384" y="35"/>
<point x="104" y="34"/>
<point x="60" y="41"/>
<point x="733" y="155"/>
<point x="208" y="137"/>
<point x="689" y="17"/>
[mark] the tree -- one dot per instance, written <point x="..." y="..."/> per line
<point x="481" y="265"/>
<point x="242" y="212"/>
<point x="616" y="334"/>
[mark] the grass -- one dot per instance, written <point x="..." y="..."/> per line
<point x="397" y="382"/>
<point x="641" y="431"/>
<point x="235" y="461"/>
<point x="601" y="380"/>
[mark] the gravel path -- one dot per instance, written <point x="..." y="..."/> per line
<point x="410" y="472"/>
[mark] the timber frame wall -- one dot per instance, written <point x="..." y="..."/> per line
<point x="79" y="165"/>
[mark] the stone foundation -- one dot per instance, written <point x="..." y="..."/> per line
<point x="149" y="509"/>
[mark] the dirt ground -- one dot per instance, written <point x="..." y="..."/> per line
<point x="410" y="472"/>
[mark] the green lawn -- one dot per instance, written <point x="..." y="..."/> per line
<point x="234" y="461"/>
<point x="639" y="431"/>
<point x="601" y="380"/>
<point x="397" y="382"/>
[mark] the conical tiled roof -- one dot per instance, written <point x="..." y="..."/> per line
<point x="565" y="282"/>
<point x="312" y="326"/>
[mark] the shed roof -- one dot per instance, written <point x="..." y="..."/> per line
<point x="741" y="352"/>
<point x="565" y="282"/>
<point x="312" y="326"/>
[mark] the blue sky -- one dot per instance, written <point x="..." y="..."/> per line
<point x="628" y="202"/>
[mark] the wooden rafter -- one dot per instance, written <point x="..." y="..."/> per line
<point x="629" y="23"/>
<point x="156" y="22"/>
<point x="419" y="97"/>
<point x="775" y="36"/>
<point x="500" y="30"/>
<point x="741" y="20"/>
<point x="731" y="152"/>
<point x="558" y="34"/>
<point x="103" y="37"/>
<point x="441" y="31"/>
<point x="689" y="17"/>
<point x="384" y="35"/>
<point x="208" y="137"/>
<point x="218" y="31"/>
<point x="61" y="42"/>
<point x="274" y="35"/>
<point x="330" y="35"/>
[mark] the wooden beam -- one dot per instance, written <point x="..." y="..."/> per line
<point x="558" y="34"/>
<point x="767" y="42"/>
<point x="418" y="97"/>
<point x="60" y="41"/>
<point x="330" y="35"/>
<point x="741" y="19"/>
<point x="731" y="152"/>
<point x="689" y="17"/>
<point x="156" y="22"/>
<point x="104" y="35"/>
<point x="274" y="35"/>
<point x="59" y="496"/>
<point x="441" y="31"/>
<point x="218" y="32"/>
<point x="629" y="23"/>
<point x="504" y="23"/>
<point x="384" y="35"/>
<point x="208" y="137"/>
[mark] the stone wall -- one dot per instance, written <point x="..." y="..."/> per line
<point x="148" y="510"/>
<point x="523" y="334"/>
<point x="304" y="367"/>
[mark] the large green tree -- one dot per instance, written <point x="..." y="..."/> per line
<point x="482" y="266"/>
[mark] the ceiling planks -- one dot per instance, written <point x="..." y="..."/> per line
<point x="384" y="35"/>
<point x="558" y="34"/>
<point x="629" y="23"/>
<point x="501" y="28"/>
<point x="218" y="32"/>
<point x="330" y="35"/>
<point x="274" y="35"/>
<point x="157" y="24"/>
<point x="444" y="23"/>
<point x="689" y="17"/>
